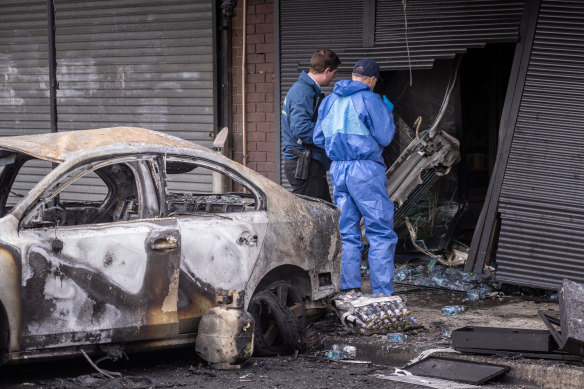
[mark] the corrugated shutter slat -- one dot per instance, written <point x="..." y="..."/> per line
<point x="542" y="239"/>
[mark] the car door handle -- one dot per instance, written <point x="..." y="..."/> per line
<point x="170" y="243"/>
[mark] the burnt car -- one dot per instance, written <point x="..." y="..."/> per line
<point x="110" y="239"/>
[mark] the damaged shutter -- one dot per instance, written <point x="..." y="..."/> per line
<point x="541" y="239"/>
<point x="137" y="63"/>
<point x="436" y="29"/>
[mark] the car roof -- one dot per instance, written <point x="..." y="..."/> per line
<point x="59" y="146"/>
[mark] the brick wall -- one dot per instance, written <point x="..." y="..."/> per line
<point x="259" y="86"/>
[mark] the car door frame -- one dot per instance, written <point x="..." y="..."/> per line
<point x="158" y="316"/>
<point x="199" y="294"/>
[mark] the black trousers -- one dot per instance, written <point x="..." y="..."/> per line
<point x="315" y="185"/>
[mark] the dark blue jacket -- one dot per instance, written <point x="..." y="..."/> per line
<point x="296" y="121"/>
<point x="354" y="123"/>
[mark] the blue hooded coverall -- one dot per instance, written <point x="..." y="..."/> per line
<point x="353" y="126"/>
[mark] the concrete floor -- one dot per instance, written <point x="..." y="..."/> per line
<point x="505" y="312"/>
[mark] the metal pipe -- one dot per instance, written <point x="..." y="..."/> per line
<point x="52" y="65"/>
<point x="243" y="82"/>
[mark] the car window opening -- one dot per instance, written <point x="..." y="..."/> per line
<point x="195" y="188"/>
<point x="185" y="203"/>
<point x="113" y="197"/>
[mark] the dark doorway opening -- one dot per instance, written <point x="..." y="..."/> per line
<point x="483" y="80"/>
<point x="472" y="116"/>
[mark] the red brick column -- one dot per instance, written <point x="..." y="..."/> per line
<point x="259" y="86"/>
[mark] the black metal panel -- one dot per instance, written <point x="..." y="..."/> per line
<point x="451" y="369"/>
<point x="542" y="235"/>
<point x="509" y="339"/>
<point x="24" y="96"/>
<point x="436" y="29"/>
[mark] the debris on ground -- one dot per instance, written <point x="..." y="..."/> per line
<point x="477" y="286"/>
<point x="396" y="337"/>
<point x="532" y="343"/>
<point x="370" y="314"/>
<point x="341" y="351"/>
<point x="470" y="372"/>
<point x="450" y="310"/>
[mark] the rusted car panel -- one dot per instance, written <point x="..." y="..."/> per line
<point x="62" y="146"/>
<point x="144" y="264"/>
<point x="105" y="285"/>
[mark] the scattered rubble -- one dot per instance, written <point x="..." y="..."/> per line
<point x="369" y="314"/>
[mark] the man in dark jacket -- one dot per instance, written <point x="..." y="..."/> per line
<point x="304" y="164"/>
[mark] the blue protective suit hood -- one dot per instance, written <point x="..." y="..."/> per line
<point x="348" y="87"/>
<point x="353" y="123"/>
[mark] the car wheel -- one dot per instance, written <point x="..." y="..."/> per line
<point x="278" y="312"/>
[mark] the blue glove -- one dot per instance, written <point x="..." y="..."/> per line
<point x="388" y="103"/>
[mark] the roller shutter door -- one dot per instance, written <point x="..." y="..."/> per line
<point x="24" y="96"/>
<point x="119" y="62"/>
<point x="143" y="63"/>
<point x="542" y="221"/>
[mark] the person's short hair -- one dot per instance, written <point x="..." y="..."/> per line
<point x="322" y="59"/>
<point x="360" y="77"/>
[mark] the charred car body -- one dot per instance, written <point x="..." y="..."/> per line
<point x="103" y="252"/>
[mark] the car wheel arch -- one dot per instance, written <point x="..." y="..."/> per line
<point x="293" y="275"/>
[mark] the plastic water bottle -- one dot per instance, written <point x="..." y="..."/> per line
<point x="349" y="352"/>
<point x="484" y="292"/>
<point x="451" y="310"/>
<point x="473" y="295"/>
<point x="342" y="351"/>
<point x="401" y="275"/>
<point x="356" y="321"/>
<point x="334" y="354"/>
<point x="412" y="320"/>
<point x="396" y="337"/>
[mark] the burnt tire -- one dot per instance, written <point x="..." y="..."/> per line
<point x="278" y="329"/>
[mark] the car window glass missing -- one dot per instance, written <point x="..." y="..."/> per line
<point x="104" y="195"/>
<point x="196" y="189"/>
<point x="19" y="175"/>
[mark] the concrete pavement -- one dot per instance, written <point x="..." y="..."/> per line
<point x="507" y="312"/>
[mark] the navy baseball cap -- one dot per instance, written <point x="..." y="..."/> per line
<point x="367" y="67"/>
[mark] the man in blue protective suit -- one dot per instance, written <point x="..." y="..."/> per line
<point x="354" y="125"/>
<point x="305" y="166"/>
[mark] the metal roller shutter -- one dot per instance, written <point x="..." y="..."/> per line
<point x="542" y="220"/>
<point x="142" y="63"/>
<point x="119" y="62"/>
<point x="24" y="96"/>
